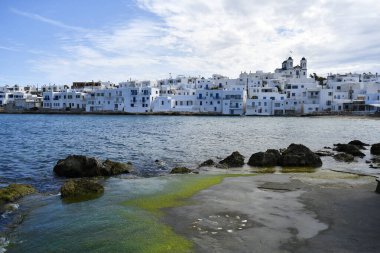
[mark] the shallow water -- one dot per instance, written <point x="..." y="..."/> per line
<point x="32" y="144"/>
<point x="112" y="223"/>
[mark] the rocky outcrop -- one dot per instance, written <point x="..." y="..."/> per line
<point x="81" y="189"/>
<point x="375" y="149"/>
<point x="269" y="158"/>
<point x="343" y="157"/>
<point x="298" y="155"/>
<point x="233" y="160"/>
<point x="359" y="144"/>
<point x="207" y="163"/>
<point x="75" y="166"/>
<point x="181" y="170"/>
<point x="349" y="149"/>
<point x="14" y="192"/>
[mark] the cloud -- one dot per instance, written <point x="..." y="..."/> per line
<point x="47" y="20"/>
<point x="9" y="48"/>
<point x="221" y="36"/>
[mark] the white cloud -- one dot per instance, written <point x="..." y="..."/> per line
<point x="222" y="36"/>
<point x="47" y="20"/>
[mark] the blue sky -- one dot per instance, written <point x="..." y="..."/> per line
<point x="54" y="41"/>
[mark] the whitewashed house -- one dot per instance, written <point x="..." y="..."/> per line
<point x="265" y="101"/>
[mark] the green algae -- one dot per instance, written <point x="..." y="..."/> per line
<point x="160" y="237"/>
<point x="14" y="192"/>
<point x="177" y="193"/>
<point x="298" y="170"/>
<point x="266" y="170"/>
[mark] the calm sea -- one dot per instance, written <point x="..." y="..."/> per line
<point x="32" y="144"/>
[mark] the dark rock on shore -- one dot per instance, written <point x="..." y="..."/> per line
<point x="298" y="155"/>
<point x="82" y="166"/>
<point x="233" y="160"/>
<point x="343" y="157"/>
<point x="324" y="153"/>
<point x="81" y="189"/>
<point x="180" y="170"/>
<point x="268" y="158"/>
<point x="14" y="192"/>
<point x="349" y="149"/>
<point x="207" y="163"/>
<point x="359" y="144"/>
<point x="375" y="149"/>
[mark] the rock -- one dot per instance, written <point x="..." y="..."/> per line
<point x="324" y="153"/>
<point x="349" y="149"/>
<point x="14" y="192"/>
<point x="375" y="159"/>
<point x="233" y="160"/>
<point x="375" y="149"/>
<point x="378" y="185"/>
<point x="327" y="147"/>
<point x="82" y="166"/>
<point x="298" y="155"/>
<point x="221" y="166"/>
<point x="180" y="170"/>
<point x="81" y="189"/>
<point x="343" y="157"/>
<point x="359" y="144"/>
<point x="268" y="158"/>
<point x="111" y="168"/>
<point x="207" y="163"/>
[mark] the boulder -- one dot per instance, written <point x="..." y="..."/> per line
<point x="81" y="189"/>
<point x="207" y="163"/>
<point x="298" y="155"/>
<point x="375" y="149"/>
<point x="14" y="192"/>
<point x="359" y="144"/>
<point x="349" y="149"/>
<point x="343" y="157"/>
<point x="111" y="168"/>
<point x="268" y="158"/>
<point x="180" y="170"/>
<point x="82" y="166"/>
<point x="233" y="160"/>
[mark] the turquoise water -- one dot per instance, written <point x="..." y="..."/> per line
<point x="107" y="224"/>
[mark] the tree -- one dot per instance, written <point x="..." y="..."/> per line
<point x="319" y="79"/>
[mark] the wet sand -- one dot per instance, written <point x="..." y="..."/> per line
<point x="317" y="212"/>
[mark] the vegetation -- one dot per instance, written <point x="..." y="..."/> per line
<point x="14" y="192"/>
<point x="161" y="237"/>
<point x="319" y="79"/>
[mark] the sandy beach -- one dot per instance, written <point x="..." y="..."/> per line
<point x="306" y="212"/>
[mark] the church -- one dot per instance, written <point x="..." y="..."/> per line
<point x="287" y="69"/>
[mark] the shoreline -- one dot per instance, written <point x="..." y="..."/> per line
<point x="282" y="213"/>
<point x="190" y="114"/>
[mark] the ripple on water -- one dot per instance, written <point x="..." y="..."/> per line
<point x="34" y="143"/>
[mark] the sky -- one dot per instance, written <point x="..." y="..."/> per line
<point x="58" y="42"/>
